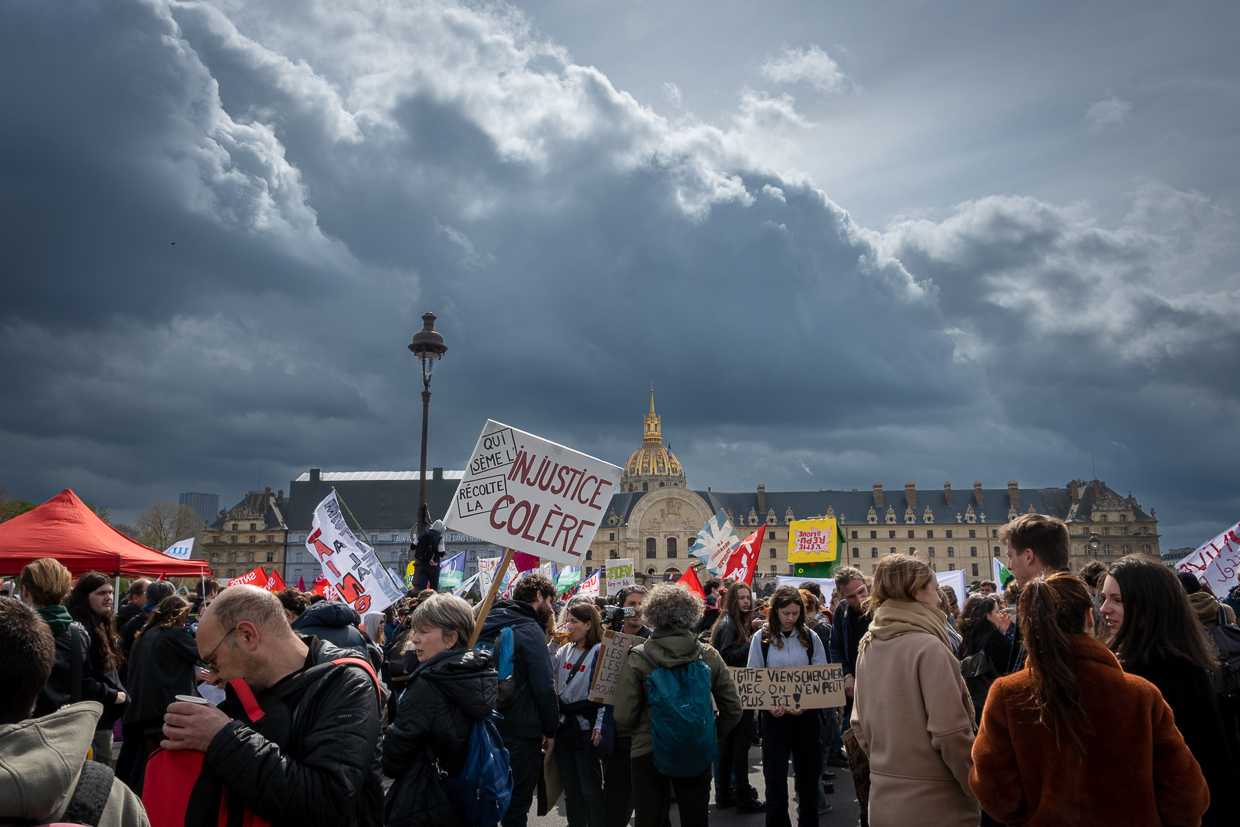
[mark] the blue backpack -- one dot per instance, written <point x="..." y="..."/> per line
<point x="482" y="790"/>
<point x="682" y="722"/>
<point x="500" y="647"/>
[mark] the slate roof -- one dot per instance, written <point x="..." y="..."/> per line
<point x="252" y="506"/>
<point x="390" y="501"/>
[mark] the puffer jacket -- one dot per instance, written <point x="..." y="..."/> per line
<point x="326" y="772"/>
<point x="668" y="648"/>
<point x="72" y="643"/>
<point x="535" y="714"/>
<point x="335" y="622"/>
<point x="161" y="666"/>
<point x="443" y="699"/>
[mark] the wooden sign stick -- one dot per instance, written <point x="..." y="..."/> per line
<point x="490" y="598"/>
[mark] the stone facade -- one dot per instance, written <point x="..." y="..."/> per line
<point x="252" y="533"/>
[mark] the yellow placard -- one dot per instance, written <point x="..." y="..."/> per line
<point x="812" y="541"/>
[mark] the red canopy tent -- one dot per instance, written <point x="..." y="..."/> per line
<point x="64" y="528"/>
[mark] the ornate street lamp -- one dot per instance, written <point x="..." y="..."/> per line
<point x="428" y="346"/>
<point x="1093" y="542"/>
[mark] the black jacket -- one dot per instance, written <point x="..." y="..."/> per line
<point x="1189" y="693"/>
<point x="59" y="689"/>
<point x="334" y="622"/>
<point x="323" y="770"/>
<point x="443" y="699"/>
<point x="536" y="711"/>
<point x="731" y="647"/>
<point x="127" y="613"/>
<point x="996" y="645"/>
<point x="108" y="683"/>
<point x="161" y="666"/>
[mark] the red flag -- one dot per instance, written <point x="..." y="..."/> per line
<point x="162" y="577"/>
<point x="744" y="559"/>
<point x="524" y="562"/>
<point x="258" y="577"/>
<point x="275" y="583"/>
<point x="320" y="585"/>
<point x="301" y="584"/>
<point x="690" y="581"/>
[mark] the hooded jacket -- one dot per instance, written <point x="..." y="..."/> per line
<point x="161" y="666"/>
<point x="1024" y="775"/>
<point x="1206" y="607"/>
<point x="668" y="648"/>
<point x="536" y="711"/>
<point x="72" y="644"/>
<point x="333" y="621"/>
<point x="443" y="699"/>
<point x="40" y="763"/>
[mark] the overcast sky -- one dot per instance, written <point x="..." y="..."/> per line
<point x="848" y="242"/>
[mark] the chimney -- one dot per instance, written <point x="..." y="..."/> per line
<point x="280" y="496"/>
<point x="1014" y="493"/>
<point x="878" y="495"/>
<point x="1074" y="489"/>
<point x="315" y="475"/>
<point x="910" y="494"/>
<point x="437" y="473"/>
<point x="762" y="500"/>
<point x="977" y="492"/>
<point x="947" y="492"/>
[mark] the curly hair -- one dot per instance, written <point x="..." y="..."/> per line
<point x="171" y="611"/>
<point x="671" y="607"/>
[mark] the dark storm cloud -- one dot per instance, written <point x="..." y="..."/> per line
<point x="329" y="175"/>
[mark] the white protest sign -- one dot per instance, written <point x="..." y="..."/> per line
<point x="827" y="585"/>
<point x="796" y="687"/>
<point x="589" y="586"/>
<point x="181" y="549"/>
<point x="1216" y="562"/>
<point x="619" y="574"/>
<point x="525" y="493"/>
<point x="956" y="580"/>
<point x="611" y="657"/>
<point x="349" y="565"/>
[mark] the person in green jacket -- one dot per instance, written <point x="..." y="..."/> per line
<point x="672" y="611"/>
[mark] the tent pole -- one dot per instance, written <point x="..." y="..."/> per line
<point x="116" y="590"/>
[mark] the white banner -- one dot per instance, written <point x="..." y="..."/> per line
<point x="827" y="584"/>
<point x="957" y="581"/>
<point x="1216" y="562"/>
<point x="349" y="565"/>
<point x="525" y="493"/>
<point x="181" y="549"/>
<point x="619" y="574"/>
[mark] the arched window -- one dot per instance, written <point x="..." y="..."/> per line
<point x="671" y="546"/>
<point x="972" y="551"/>
<point x="651" y="547"/>
<point x="590" y="554"/>
<point x="873" y="552"/>
<point x="645" y="486"/>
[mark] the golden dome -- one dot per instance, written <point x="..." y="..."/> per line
<point x="652" y="462"/>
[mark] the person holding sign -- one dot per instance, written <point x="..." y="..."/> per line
<point x="581" y="721"/>
<point x="912" y="713"/>
<point x="786" y="641"/>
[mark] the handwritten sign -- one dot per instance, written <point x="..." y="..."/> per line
<point x="349" y="565"/>
<point x="796" y="687"/>
<point x="619" y="574"/>
<point x="611" y="657"/>
<point x="812" y="541"/>
<point x="1216" y="563"/>
<point x="528" y="494"/>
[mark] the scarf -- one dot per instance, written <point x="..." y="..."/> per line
<point x="56" y="617"/>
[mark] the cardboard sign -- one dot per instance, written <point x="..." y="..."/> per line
<point x="619" y="574"/>
<point x="812" y="541"/>
<point x="528" y="494"/>
<point x="796" y="687"/>
<point x="350" y="566"/>
<point x="611" y="657"/>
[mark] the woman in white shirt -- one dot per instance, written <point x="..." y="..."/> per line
<point x="581" y="722"/>
<point x="786" y="641"/>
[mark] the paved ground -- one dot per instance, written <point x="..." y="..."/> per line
<point x="844" y="810"/>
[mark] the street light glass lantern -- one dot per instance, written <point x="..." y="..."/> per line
<point x="428" y="346"/>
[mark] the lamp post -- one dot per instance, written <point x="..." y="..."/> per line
<point x="1093" y="542"/>
<point x="428" y="346"/>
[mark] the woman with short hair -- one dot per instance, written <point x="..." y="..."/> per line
<point x="90" y="603"/>
<point x="1155" y="635"/>
<point x="1071" y="739"/>
<point x="911" y="711"/>
<point x="581" y="721"/>
<point x="450" y="689"/>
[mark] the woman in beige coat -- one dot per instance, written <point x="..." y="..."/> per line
<point x="912" y="713"/>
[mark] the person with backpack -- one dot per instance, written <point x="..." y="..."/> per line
<point x="452" y="688"/>
<point x="985" y="650"/>
<point x="581" y="721"/>
<point x="789" y="733"/>
<point x="44" y="774"/>
<point x="730" y="637"/>
<point x="90" y="603"/>
<point x="1071" y="738"/>
<point x="912" y="714"/>
<point x="43" y="586"/>
<point x="527" y="696"/>
<point x="1156" y="636"/>
<point x="428" y="550"/>
<point x="664" y="695"/>
<point x="298" y="743"/>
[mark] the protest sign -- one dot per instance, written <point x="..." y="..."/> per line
<point x="349" y="565"/>
<point x="528" y="494"/>
<point x="714" y="542"/>
<point x="796" y="687"/>
<point x="452" y="571"/>
<point x="611" y="657"/>
<point x="181" y="549"/>
<point x="812" y="541"/>
<point x="547" y="570"/>
<point x="1216" y="563"/>
<point x="589" y="586"/>
<point x="955" y="579"/>
<point x="258" y="577"/>
<point x="827" y="585"/>
<point x="619" y="574"/>
<point x="569" y="576"/>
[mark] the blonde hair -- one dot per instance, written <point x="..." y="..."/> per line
<point x="47" y="580"/>
<point x="897" y="577"/>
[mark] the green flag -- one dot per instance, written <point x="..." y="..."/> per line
<point x="1002" y="576"/>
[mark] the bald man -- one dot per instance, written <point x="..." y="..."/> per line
<point x="323" y="769"/>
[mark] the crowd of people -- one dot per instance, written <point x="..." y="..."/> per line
<point x="1065" y="698"/>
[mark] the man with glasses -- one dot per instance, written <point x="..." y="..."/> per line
<point x="326" y="770"/>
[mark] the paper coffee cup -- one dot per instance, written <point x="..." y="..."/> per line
<point x="192" y="699"/>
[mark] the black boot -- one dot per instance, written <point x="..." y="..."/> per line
<point x="747" y="801"/>
<point x="724" y="799"/>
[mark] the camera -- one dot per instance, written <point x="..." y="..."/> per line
<point x="617" y="615"/>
